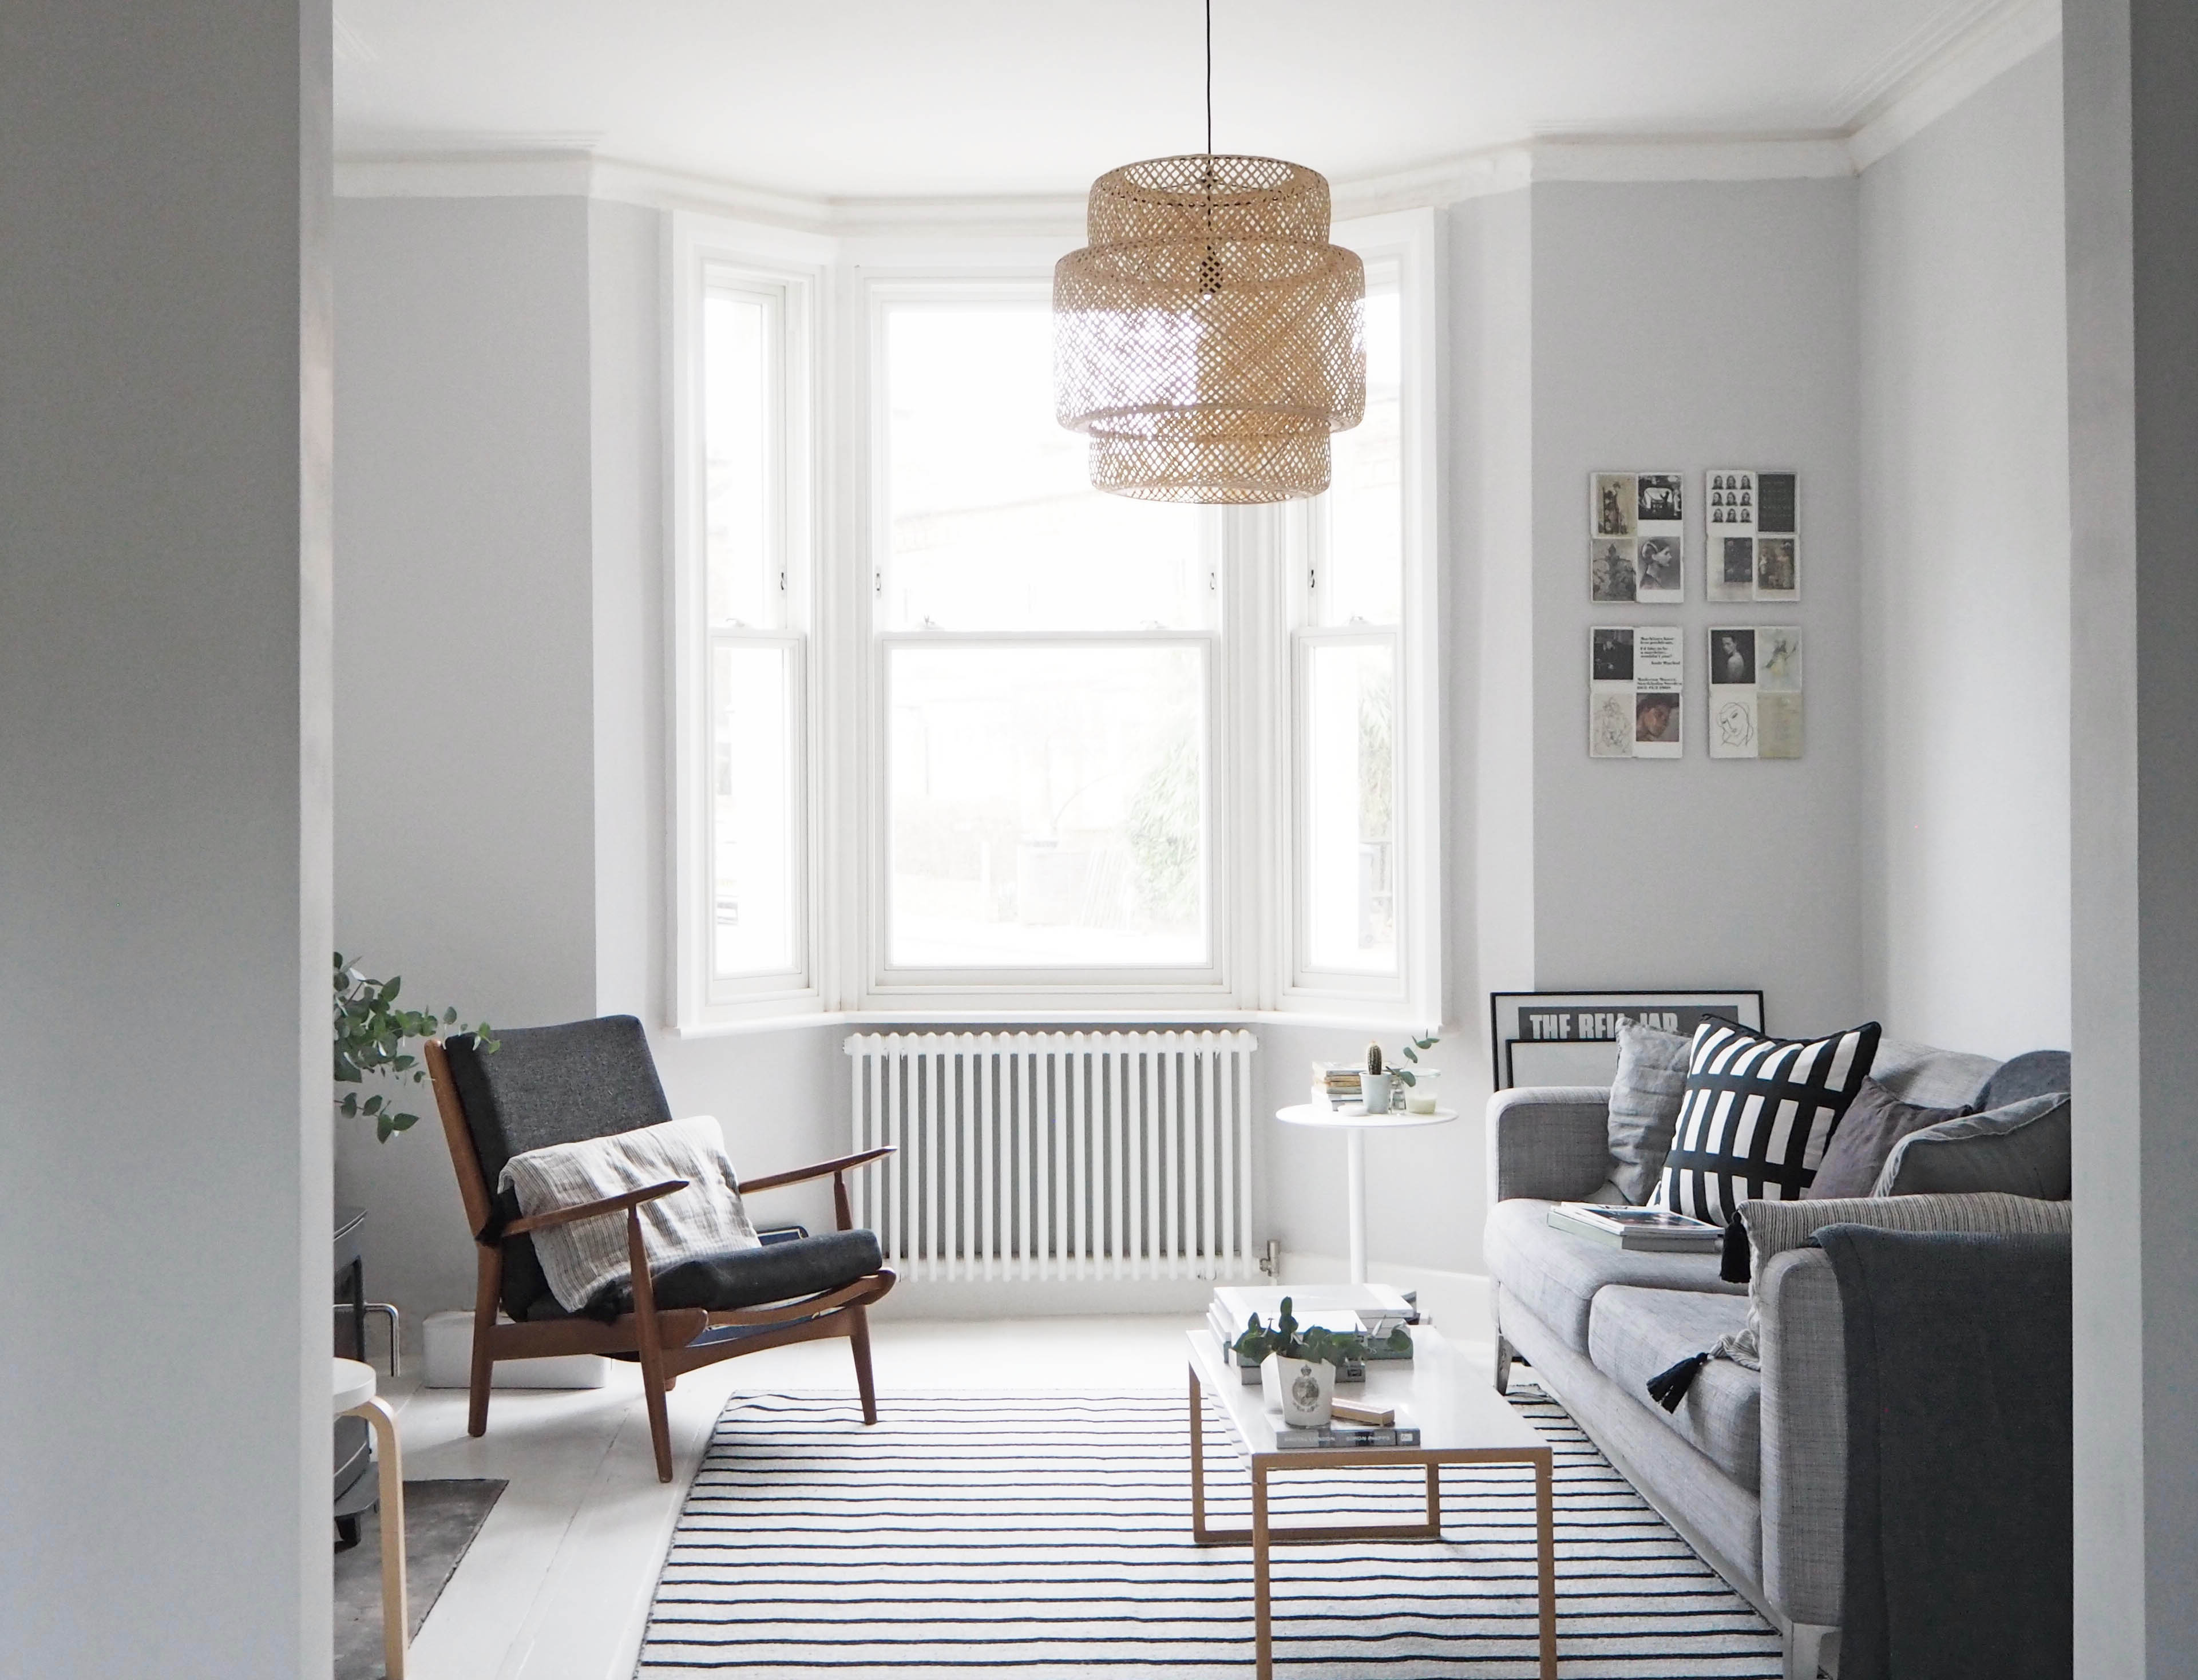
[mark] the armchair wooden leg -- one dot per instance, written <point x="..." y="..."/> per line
<point x="858" y="1338"/>
<point x="652" y="1384"/>
<point x="489" y="1286"/>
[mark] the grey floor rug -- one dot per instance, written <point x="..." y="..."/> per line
<point x="1046" y="1535"/>
<point x="441" y="1519"/>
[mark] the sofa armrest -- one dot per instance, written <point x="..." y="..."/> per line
<point x="1549" y="1141"/>
<point x="1805" y="1436"/>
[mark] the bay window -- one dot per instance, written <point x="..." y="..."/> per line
<point x="1005" y="747"/>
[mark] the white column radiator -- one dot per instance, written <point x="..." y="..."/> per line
<point x="1057" y="1155"/>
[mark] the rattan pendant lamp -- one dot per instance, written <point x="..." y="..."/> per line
<point x="1207" y="339"/>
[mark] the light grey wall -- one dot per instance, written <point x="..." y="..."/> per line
<point x="1965" y="566"/>
<point x="1688" y="326"/>
<point x="163" y="841"/>
<point x="465" y="588"/>
<point x="2132" y="248"/>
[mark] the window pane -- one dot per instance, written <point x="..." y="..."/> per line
<point x="1363" y="577"/>
<point x="739" y="422"/>
<point x="1048" y="806"/>
<point x="1350" y="807"/>
<point x="993" y="522"/>
<point x="754" y="827"/>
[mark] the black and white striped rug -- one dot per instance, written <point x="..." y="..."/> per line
<point x="1049" y="1535"/>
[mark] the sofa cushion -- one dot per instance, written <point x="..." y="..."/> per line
<point x="2023" y="1149"/>
<point x="1644" y="1105"/>
<point x="1758" y="1114"/>
<point x="1930" y="1076"/>
<point x="1633" y="1334"/>
<point x="1874" y="1121"/>
<point x="2033" y="1073"/>
<point x="1557" y="1274"/>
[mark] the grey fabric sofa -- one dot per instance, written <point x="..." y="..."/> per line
<point x="1751" y="1469"/>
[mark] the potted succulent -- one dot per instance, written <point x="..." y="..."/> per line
<point x="372" y="1034"/>
<point x="1298" y="1372"/>
<point x="1382" y="1075"/>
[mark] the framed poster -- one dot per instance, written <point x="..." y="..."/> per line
<point x="1521" y="1022"/>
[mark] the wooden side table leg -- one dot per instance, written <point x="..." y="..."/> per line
<point x="1263" y="1620"/>
<point x="396" y="1610"/>
<point x="1434" y="1497"/>
<point x="1545" y="1524"/>
<point x="1197" y="1459"/>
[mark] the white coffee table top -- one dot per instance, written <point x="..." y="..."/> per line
<point x="1318" y="1114"/>
<point x="1447" y="1397"/>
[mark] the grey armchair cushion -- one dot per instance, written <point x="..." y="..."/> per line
<point x="550" y="1084"/>
<point x="777" y="1271"/>
<point x="1644" y="1105"/>
<point x="555" y="1084"/>
<point x="1874" y="1122"/>
<point x="2022" y="1149"/>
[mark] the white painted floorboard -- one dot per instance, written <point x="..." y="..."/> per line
<point x="557" y="1584"/>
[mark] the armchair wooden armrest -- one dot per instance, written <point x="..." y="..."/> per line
<point x="772" y="1181"/>
<point x="589" y="1210"/>
<point x="836" y="1170"/>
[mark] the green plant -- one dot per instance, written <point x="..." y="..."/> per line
<point x="1410" y="1052"/>
<point x="371" y="1033"/>
<point x="1337" y="1347"/>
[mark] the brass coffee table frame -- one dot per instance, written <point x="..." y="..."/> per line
<point x="1263" y="1537"/>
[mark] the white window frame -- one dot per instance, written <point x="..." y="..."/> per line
<point x="1255" y="782"/>
<point x="1007" y="993"/>
<point x="794" y="274"/>
<point x="1403" y="241"/>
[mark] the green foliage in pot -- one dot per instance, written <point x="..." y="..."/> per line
<point x="1402" y="1070"/>
<point x="1337" y="1347"/>
<point x="372" y="1033"/>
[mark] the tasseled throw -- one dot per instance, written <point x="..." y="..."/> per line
<point x="1668" y="1388"/>
<point x="1737" y="1262"/>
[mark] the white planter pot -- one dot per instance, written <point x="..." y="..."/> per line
<point x="1302" y="1389"/>
<point x="1420" y="1097"/>
<point x="1374" y="1091"/>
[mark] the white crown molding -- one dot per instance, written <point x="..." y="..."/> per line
<point x="1952" y="57"/>
<point x="1996" y="37"/>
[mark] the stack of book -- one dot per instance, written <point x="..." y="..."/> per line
<point x="1335" y="1085"/>
<point x="1343" y="1437"/>
<point x="1639" y="1227"/>
<point x="1372" y="1310"/>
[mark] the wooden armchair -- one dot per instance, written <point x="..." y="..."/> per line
<point x="594" y="1078"/>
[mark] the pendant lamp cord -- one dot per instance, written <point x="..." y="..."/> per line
<point x="1209" y="78"/>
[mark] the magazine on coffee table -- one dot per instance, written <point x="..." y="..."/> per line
<point x="1650" y="1227"/>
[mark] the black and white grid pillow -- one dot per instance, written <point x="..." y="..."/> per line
<point x="1757" y="1114"/>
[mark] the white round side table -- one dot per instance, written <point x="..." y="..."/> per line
<point x="351" y="1391"/>
<point x="1354" y="1124"/>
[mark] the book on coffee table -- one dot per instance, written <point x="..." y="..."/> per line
<point x="1638" y="1228"/>
<point x="1343" y="1437"/>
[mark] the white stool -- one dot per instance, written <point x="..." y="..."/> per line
<point x="353" y="1393"/>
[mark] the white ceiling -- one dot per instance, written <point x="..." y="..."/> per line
<point x="858" y="98"/>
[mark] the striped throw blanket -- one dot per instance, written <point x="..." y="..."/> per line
<point x="589" y="1256"/>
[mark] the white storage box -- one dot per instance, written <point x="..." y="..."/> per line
<point x="450" y="1359"/>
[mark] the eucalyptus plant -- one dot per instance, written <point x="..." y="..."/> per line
<point x="371" y="1036"/>
<point x="1337" y="1347"/>
<point x="1402" y="1070"/>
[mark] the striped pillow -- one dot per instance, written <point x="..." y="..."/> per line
<point x="1757" y="1114"/>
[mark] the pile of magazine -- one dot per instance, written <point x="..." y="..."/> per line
<point x="1619" y="1226"/>
<point x="1373" y="1310"/>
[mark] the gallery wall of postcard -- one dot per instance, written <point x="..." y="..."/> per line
<point x="1639" y="557"/>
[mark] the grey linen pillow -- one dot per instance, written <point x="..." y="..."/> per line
<point x="2021" y="1149"/>
<point x="1645" y="1094"/>
<point x="1874" y="1122"/>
